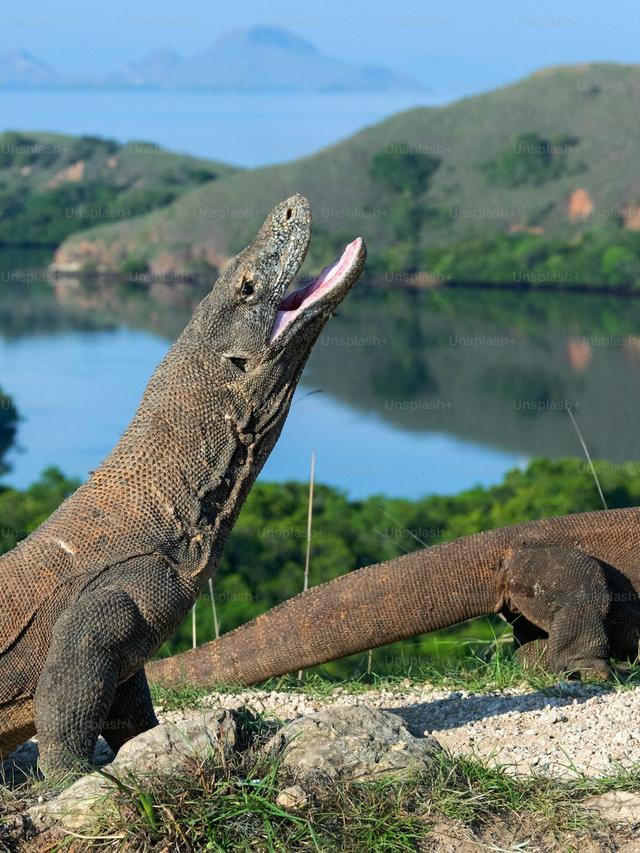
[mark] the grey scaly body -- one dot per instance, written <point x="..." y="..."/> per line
<point x="569" y="585"/>
<point x="87" y="598"/>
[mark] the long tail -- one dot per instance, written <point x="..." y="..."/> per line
<point x="370" y="607"/>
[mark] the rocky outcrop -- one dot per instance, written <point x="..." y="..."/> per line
<point x="631" y="217"/>
<point x="78" y="256"/>
<point x="520" y="228"/>
<point x="345" y="744"/>
<point x="617" y="807"/>
<point x="99" y="257"/>
<point x="580" y="205"/>
<point x="167" y="750"/>
<point x="351" y="744"/>
<point x="72" y="174"/>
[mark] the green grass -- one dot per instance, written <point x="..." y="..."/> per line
<point x="475" y="674"/>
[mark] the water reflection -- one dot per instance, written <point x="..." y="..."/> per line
<point x="447" y="388"/>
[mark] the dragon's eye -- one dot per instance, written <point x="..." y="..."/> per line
<point x="246" y="288"/>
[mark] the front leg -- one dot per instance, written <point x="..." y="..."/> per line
<point x="98" y="644"/>
<point x="93" y="641"/>
<point x="561" y="593"/>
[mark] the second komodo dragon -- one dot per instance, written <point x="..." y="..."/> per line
<point x="568" y="585"/>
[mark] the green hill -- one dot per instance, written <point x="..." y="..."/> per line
<point x="543" y="175"/>
<point x="53" y="185"/>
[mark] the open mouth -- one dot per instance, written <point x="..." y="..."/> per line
<point x="329" y="280"/>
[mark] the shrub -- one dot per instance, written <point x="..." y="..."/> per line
<point x="531" y="159"/>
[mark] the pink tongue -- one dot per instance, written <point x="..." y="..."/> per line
<point x="293" y="304"/>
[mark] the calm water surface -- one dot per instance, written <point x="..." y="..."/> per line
<point x="78" y="390"/>
<point x="245" y="129"/>
<point x="405" y="393"/>
<point x="76" y="360"/>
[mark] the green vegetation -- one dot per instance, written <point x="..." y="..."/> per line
<point x="21" y="511"/>
<point x="401" y="169"/>
<point x="45" y="150"/>
<point x="457" y="177"/>
<point x="52" y="186"/>
<point x="531" y="159"/>
<point x="406" y="174"/>
<point x="265" y="555"/>
<point x="597" y="259"/>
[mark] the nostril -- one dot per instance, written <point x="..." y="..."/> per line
<point x="240" y="363"/>
<point x="289" y="213"/>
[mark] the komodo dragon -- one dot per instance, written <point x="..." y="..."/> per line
<point x="568" y="585"/>
<point x="90" y="596"/>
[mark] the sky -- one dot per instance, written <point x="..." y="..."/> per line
<point x="460" y="46"/>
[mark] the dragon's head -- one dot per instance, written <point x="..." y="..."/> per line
<point x="260" y="331"/>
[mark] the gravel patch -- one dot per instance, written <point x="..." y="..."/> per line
<point x="566" y="731"/>
<point x="569" y="730"/>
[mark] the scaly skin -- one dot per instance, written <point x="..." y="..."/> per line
<point x="570" y="587"/>
<point x="90" y="596"/>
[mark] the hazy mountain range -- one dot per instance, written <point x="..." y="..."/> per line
<point x="259" y="59"/>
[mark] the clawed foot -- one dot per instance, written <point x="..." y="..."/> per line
<point x="591" y="671"/>
<point x="533" y="655"/>
<point x="58" y="766"/>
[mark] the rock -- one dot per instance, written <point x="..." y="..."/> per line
<point x="165" y="750"/>
<point x="452" y="837"/>
<point x="579" y="205"/>
<point x="616" y="806"/>
<point x="77" y="808"/>
<point x="355" y="744"/>
<point x="293" y="797"/>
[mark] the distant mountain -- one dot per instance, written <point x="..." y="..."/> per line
<point x="259" y="59"/>
<point x="152" y="70"/>
<point x="274" y="59"/>
<point x="19" y="68"/>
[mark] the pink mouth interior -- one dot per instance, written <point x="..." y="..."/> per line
<point x="296" y="302"/>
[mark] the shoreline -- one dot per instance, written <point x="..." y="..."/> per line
<point x="405" y="282"/>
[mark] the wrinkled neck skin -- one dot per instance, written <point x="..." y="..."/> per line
<point x="213" y="427"/>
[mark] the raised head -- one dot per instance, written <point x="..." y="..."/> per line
<point x="258" y="332"/>
<point x="248" y="318"/>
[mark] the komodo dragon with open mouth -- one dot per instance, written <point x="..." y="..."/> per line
<point x="91" y="595"/>
<point x="569" y="586"/>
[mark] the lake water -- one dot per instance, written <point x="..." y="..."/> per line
<point x="405" y="393"/>
<point x="78" y="390"/>
<point x="244" y="129"/>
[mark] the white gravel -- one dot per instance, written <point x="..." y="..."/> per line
<point x="565" y="731"/>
